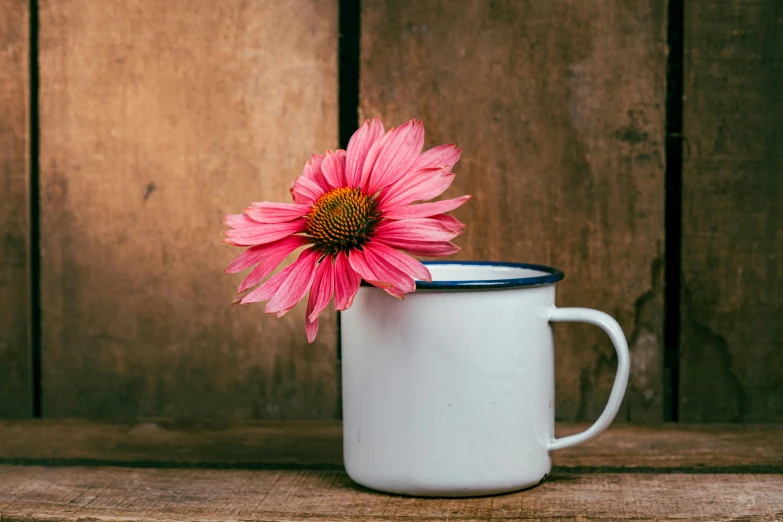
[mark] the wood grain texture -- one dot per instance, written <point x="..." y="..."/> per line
<point x="732" y="257"/>
<point x="53" y="494"/>
<point x="15" y="373"/>
<point x="676" y="472"/>
<point x="157" y="119"/>
<point x="559" y="107"/>
<point x="318" y="445"/>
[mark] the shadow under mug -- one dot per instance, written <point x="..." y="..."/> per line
<point x="451" y="391"/>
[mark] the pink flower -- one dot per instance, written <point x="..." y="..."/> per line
<point x="353" y="211"/>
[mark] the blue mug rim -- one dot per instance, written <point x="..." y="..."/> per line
<point x="552" y="275"/>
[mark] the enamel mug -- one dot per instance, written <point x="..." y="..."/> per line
<point x="451" y="391"/>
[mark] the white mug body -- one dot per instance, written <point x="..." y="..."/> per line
<point x="450" y="392"/>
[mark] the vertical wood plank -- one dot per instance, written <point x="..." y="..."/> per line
<point x="15" y="377"/>
<point x="559" y="107"/>
<point x="732" y="247"/>
<point x="159" y="117"/>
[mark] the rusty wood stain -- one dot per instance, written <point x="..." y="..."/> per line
<point x="151" y="187"/>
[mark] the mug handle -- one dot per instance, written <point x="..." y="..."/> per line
<point x="610" y="326"/>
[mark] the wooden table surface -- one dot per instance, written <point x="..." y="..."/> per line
<point x="293" y="471"/>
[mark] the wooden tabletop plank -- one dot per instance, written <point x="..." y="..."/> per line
<point x="318" y="445"/>
<point x="108" y="494"/>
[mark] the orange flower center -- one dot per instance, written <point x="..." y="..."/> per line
<point x="342" y="219"/>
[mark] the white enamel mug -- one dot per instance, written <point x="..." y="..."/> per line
<point x="451" y="391"/>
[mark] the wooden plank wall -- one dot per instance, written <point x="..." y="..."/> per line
<point x="560" y="109"/>
<point x="157" y="119"/>
<point x="15" y="357"/>
<point x="732" y="280"/>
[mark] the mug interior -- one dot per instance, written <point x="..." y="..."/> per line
<point x="455" y="275"/>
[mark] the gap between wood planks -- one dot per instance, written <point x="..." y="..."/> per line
<point x="348" y="27"/>
<point x="35" y="214"/>
<point x="673" y="213"/>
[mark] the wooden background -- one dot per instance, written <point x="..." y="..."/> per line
<point x="157" y="118"/>
<point x="732" y="242"/>
<point x="15" y="339"/>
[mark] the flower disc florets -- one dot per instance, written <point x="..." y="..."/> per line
<point x="341" y="219"/>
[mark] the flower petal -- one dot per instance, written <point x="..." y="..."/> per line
<point x="269" y="288"/>
<point x="267" y="212"/>
<point x="311" y="329"/>
<point x="400" y="261"/>
<point x="393" y="160"/>
<point x="424" y="209"/>
<point x="359" y="265"/>
<point x="362" y="267"/>
<point x="311" y="184"/>
<point x="255" y="254"/>
<point x="371" y="156"/>
<point x="272" y="258"/>
<point x="422" y="248"/>
<point x="360" y="144"/>
<point x="248" y="258"/>
<point x="385" y="271"/>
<point x="322" y="289"/>
<point x="423" y="229"/>
<point x="238" y="221"/>
<point x="346" y="282"/>
<point x="296" y="285"/>
<point x="451" y="222"/>
<point x="438" y="160"/>
<point x="305" y="191"/>
<point x="312" y="171"/>
<point x="333" y="169"/>
<point x="264" y="268"/>
<point x="263" y="233"/>
<point x="436" y="157"/>
<point x="320" y="294"/>
<point x="426" y="185"/>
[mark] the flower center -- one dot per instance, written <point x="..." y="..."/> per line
<point x="341" y="219"/>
